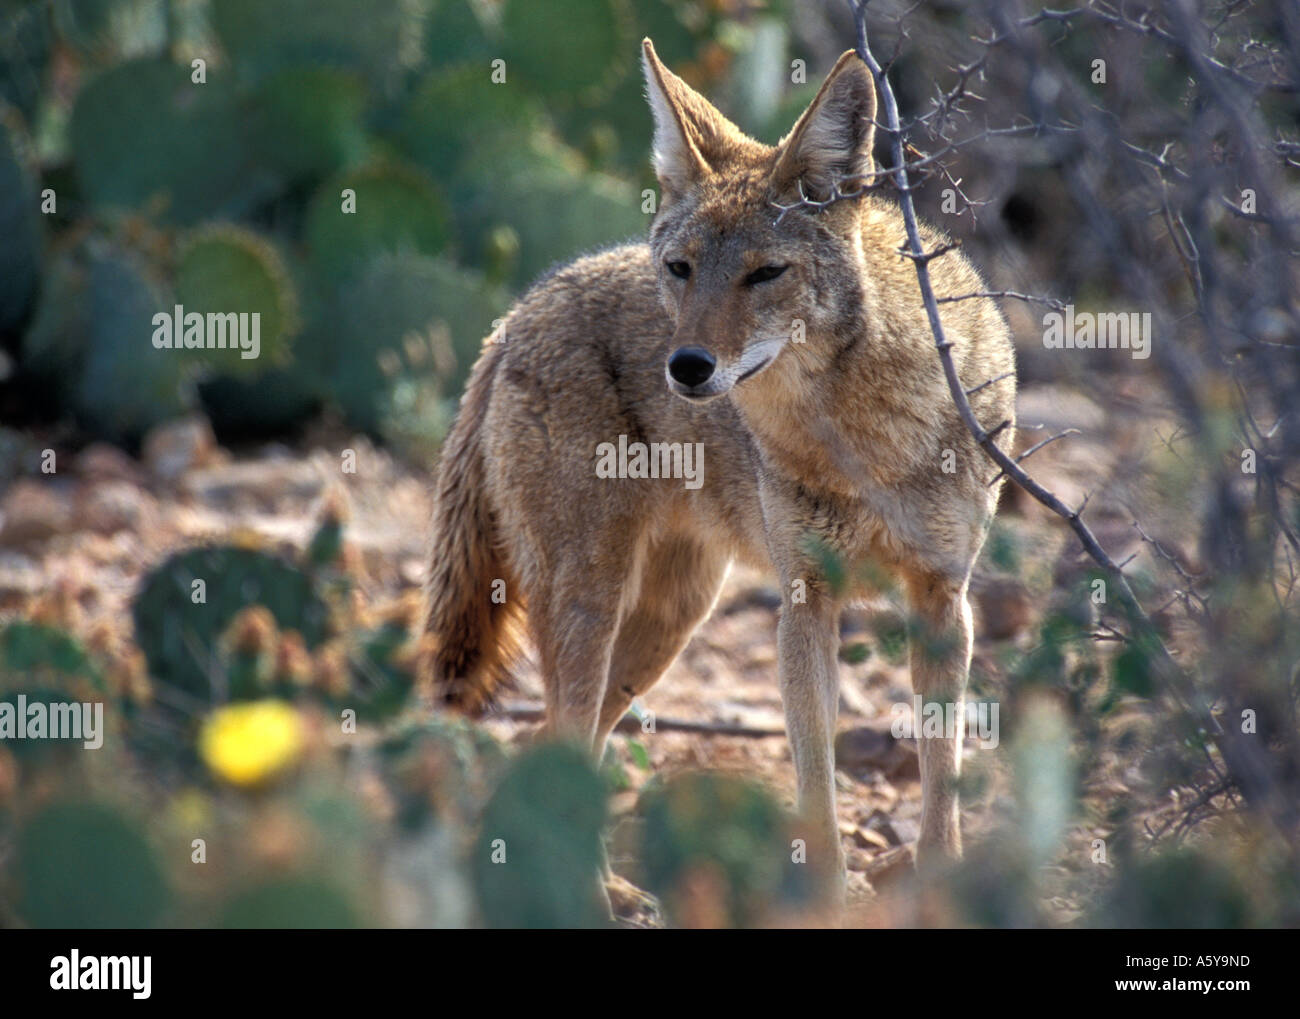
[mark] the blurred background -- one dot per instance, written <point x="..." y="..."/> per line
<point x="204" y="153"/>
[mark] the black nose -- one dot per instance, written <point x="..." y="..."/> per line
<point x="691" y="366"/>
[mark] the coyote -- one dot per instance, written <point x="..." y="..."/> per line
<point x="794" y="349"/>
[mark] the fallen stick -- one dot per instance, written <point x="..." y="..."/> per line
<point x="630" y="723"/>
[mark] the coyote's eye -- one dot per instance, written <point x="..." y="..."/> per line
<point x="764" y="273"/>
<point x="682" y="270"/>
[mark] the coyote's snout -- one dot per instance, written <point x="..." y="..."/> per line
<point x="792" y="350"/>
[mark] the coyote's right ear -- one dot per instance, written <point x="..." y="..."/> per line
<point x="832" y="140"/>
<point x="692" y="139"/>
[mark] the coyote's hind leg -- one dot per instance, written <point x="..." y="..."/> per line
<point x="679" y="583"/>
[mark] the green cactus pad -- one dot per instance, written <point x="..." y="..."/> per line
<point x="440" y="768"/>
<point x="179" y="638"/>
<point x="456" y="35"/>
<point x="26" y="41"/>
<point x="85" y="866"/>
<point x="20" y="222"/>
<point x="452" y="109"/>
<point x="143" y="135"/>
<point x="89" y="347"/>
<point x="46" y="666"/>
<point x="295" y="903"/>
<point x="230" y="269"/>
<point x="542" y="193"/>
<point x="546" y="818"/>
<point x="262" y="38"/>
<point x="307" y="120"/>
<point x="34" y="653"/>
<point x="397" y="209"/>
<point x="393" y="297"/>
<point x="583" y="61"/>
<point x="725" y="828"/>
<point x="126" y="385"/>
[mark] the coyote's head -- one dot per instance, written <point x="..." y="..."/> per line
<point x="740" y="280"/>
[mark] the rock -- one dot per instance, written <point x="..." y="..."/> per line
<point x="412" y="572"/>
<point x="103" y="462"/>
<point x="870" y="838"/>
<point x="858" y="860"/>
<point x="262" y="481"/>
<point x="1006" y="607"/>
<point x="32" y="511"/>
<point x="896" y="830"/>
<point x="867" y="747"/>
<point x="20" y="580"/>
<point x="112" y="506"/>
<point x="906" y="829"/>
<point x="176" y="447"/>
<point x="863" y="747"/>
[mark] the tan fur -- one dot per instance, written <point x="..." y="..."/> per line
<point x="838" y="438"/>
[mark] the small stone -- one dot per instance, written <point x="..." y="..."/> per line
<point x="101" y="461"/>
<point x="175" y="447"/>
<point x="32" y="511"/>
<point x="112" y="506"/>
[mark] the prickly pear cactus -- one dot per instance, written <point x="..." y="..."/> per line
<point x="225" y="270"/>
<point x="394" y="301"/>
<point x="451" y="111"/>
<point x="46" y="666"/>
<point x="584" y="61"/>
<point x="263" y="38"/>
<point x="20" y="222"/>
<point x="457" y="35"/>
<point x="125" y="385"/>
<point x="440" y="768"/>
<point x="537" y="857"/>
<point x="298" y="902"/>
<point x="38" y="655"/>
<point x="389" y="207"/>
<point x="144" y="135"/>
<point x="386" y="672"/>
<point x="522" y="184"/>
<point x="63" y="882"/>
<point x="26" y="41"/>
<point x="185" y="606"/>
<point x="717" y="844"/>
<point x="307" y="121"/>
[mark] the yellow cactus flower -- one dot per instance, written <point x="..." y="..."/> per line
<point x="246" y="744"/>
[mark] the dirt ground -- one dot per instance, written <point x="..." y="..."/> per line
<point x="92" y="527"/>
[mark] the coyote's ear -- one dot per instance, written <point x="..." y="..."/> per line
<point x="692" y="139"/>
<point x="833" y="138"/>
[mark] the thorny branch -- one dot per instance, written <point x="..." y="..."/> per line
<point x="1009" y="466"/>
<point x="1188" y="237"/>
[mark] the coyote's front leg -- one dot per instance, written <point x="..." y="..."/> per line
<point x="940" y="653"/>
<point x="808" y="644"/>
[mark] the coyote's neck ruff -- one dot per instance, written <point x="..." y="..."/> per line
<point x="793" y="351"/>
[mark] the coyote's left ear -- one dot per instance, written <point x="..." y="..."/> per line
<point x="833" y="138"/>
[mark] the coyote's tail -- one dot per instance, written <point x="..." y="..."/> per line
<point x="474" y="629"/>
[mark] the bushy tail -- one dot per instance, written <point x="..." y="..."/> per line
<point x="475" y="639"/>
